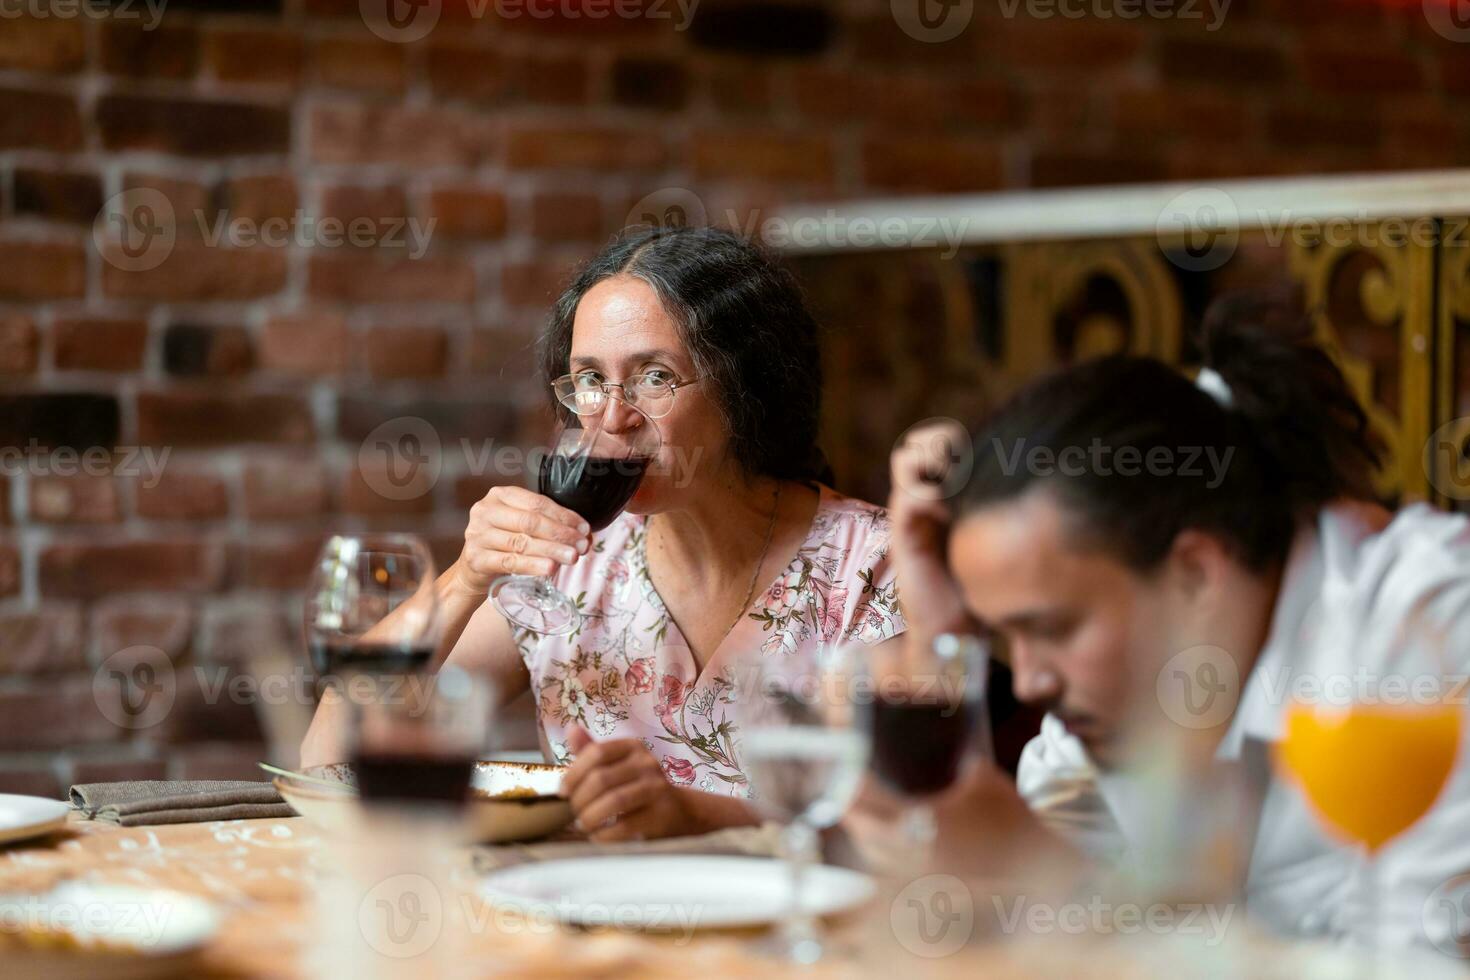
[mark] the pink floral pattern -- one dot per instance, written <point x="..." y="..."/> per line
<point x="628" y="673"/>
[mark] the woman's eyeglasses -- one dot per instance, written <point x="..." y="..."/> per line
<point x="586" y="393"/>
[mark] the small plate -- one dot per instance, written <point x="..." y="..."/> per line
<point x="491" y="820"/>
<point x="114" y="931"/>
<point x="663" y="893"/>
<point x="24" y="817"/>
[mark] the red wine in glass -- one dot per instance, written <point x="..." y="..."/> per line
<point x="330" y="658"/>
<point x="412" y="777"/>
<point x="919" y="746"/>
<point x="595" y="487"/>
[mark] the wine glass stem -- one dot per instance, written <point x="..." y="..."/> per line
<point x="919" y="831"/>
<point x="799" y="928"/>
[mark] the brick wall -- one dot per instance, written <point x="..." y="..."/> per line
<point x="259" y="368"/>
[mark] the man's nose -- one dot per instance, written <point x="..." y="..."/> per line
<point x="1035" y="680"/>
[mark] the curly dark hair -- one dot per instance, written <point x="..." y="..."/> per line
<point x="746" y="325"/>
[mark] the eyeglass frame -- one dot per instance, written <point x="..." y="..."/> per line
<point x="605" y="384"/>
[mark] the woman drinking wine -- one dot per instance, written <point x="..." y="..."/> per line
<point x="731" y="542"/>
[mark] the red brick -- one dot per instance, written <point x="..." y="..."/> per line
<point x="210" y="704"/>
<point x="377" y="204"/>
<point x="461" y="211"/>
<point x="360" y="494"/>
<point x="304" y="345"/>
<point x="1302" y="127"/>
<point x="405" y="352"/>
<point x="116" y="770"/>
<point x="762" y="154"/>
<point x="229" y="760"/>
<point x="363" y="66"/>
<point x="183" y="495"/>
<point x="933" y="164"/>
<point x="55" y="714"/>
<point x="32" y="271"/>
<point x="78" y="499"/>
<point x="471" y="488"/>
<point x="536" y="282"/>
<point x="39" y="120"/>
<point x="542" y="79"/>
<point x="165" y="624"/>
<point x="878" y="39"/>
<point x="257" y="57"/>
<point x="192" y="127"/>
<point x="210" y="418"/>
<point x="98" y="345"/>
<point x="1068" y="168"/>
<point x="94" y="570"/>
<point x="532" y="146"/>
<point x="465" y="70"/>
<point x="392" y="278"/>
<point x="192" y="202"/>
<point x="260" y="198"/>
<point x="738" y="90"/>
<point x="9" y="568"/>
<point x="650" y="83"/>
<point x="1061" y="45"/>
<point x="243" y="630"/>
<point x="285" y="488"/>
<point x="31" y="781"/>
<point x="567" y="217"/>
<point x="49" y="640"/>
<point x="550" y="17"/>
<point x="51" y="44"/>
<point x="4" y="500"/>
<point x="1221" y="62"/>
<point x="57" y="195"/>
<point x="279" y="563"/>
<point x="200" y="273"/>
<point x="18" y="344"/>
<point x="199" y="350"/>
<point x="1359" y="71"/>
<point x="363" y="133"/>
<point x="133" y="50"/>
<point x="1204" y="116"/>
<point x="1454" y="71"/>
<point x="500" y="352"/>
<point x="452" y="417"/>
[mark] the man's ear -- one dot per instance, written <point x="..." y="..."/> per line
<point x="1198" y="563"/>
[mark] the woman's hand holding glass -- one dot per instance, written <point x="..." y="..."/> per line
<point x="515" y="531"/>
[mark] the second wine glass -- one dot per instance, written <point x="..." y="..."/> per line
<point x="595" y="466"/>
<point x="928" y="722"/>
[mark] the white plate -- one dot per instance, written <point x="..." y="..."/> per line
<point x="23" y="817"/>
<point x="115" y="931"/>
<point x="668" y="892"/>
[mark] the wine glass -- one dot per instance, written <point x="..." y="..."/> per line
<point x="803" y="750"/>
<point x="1371" y="750"/>
<point x="928" y="722"/>
<point x="417" y="742"/>
<point x="370" y="606"/>
<point x="595" y="466"/>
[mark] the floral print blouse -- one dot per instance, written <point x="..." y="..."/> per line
<point x="628" y="673"/>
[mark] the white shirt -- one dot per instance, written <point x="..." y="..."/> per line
<point x="1361" y="566"/>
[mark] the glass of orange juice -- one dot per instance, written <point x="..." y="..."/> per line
<point x="1372" y="751"/>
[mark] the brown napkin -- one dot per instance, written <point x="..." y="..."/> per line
<point x="762" y="841"/>
<point x="140" y="802"/>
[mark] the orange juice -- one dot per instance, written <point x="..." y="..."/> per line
<point x="1370" y="771"/>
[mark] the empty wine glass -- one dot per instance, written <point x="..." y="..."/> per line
<point x="928" y="722"/>
<point x="803" y="750"/>
<point x="595" y="466"/>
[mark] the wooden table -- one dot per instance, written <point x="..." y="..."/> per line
<point x="265" y="877"/>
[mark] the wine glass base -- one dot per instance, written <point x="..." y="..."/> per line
<point x="532" y="603"/>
